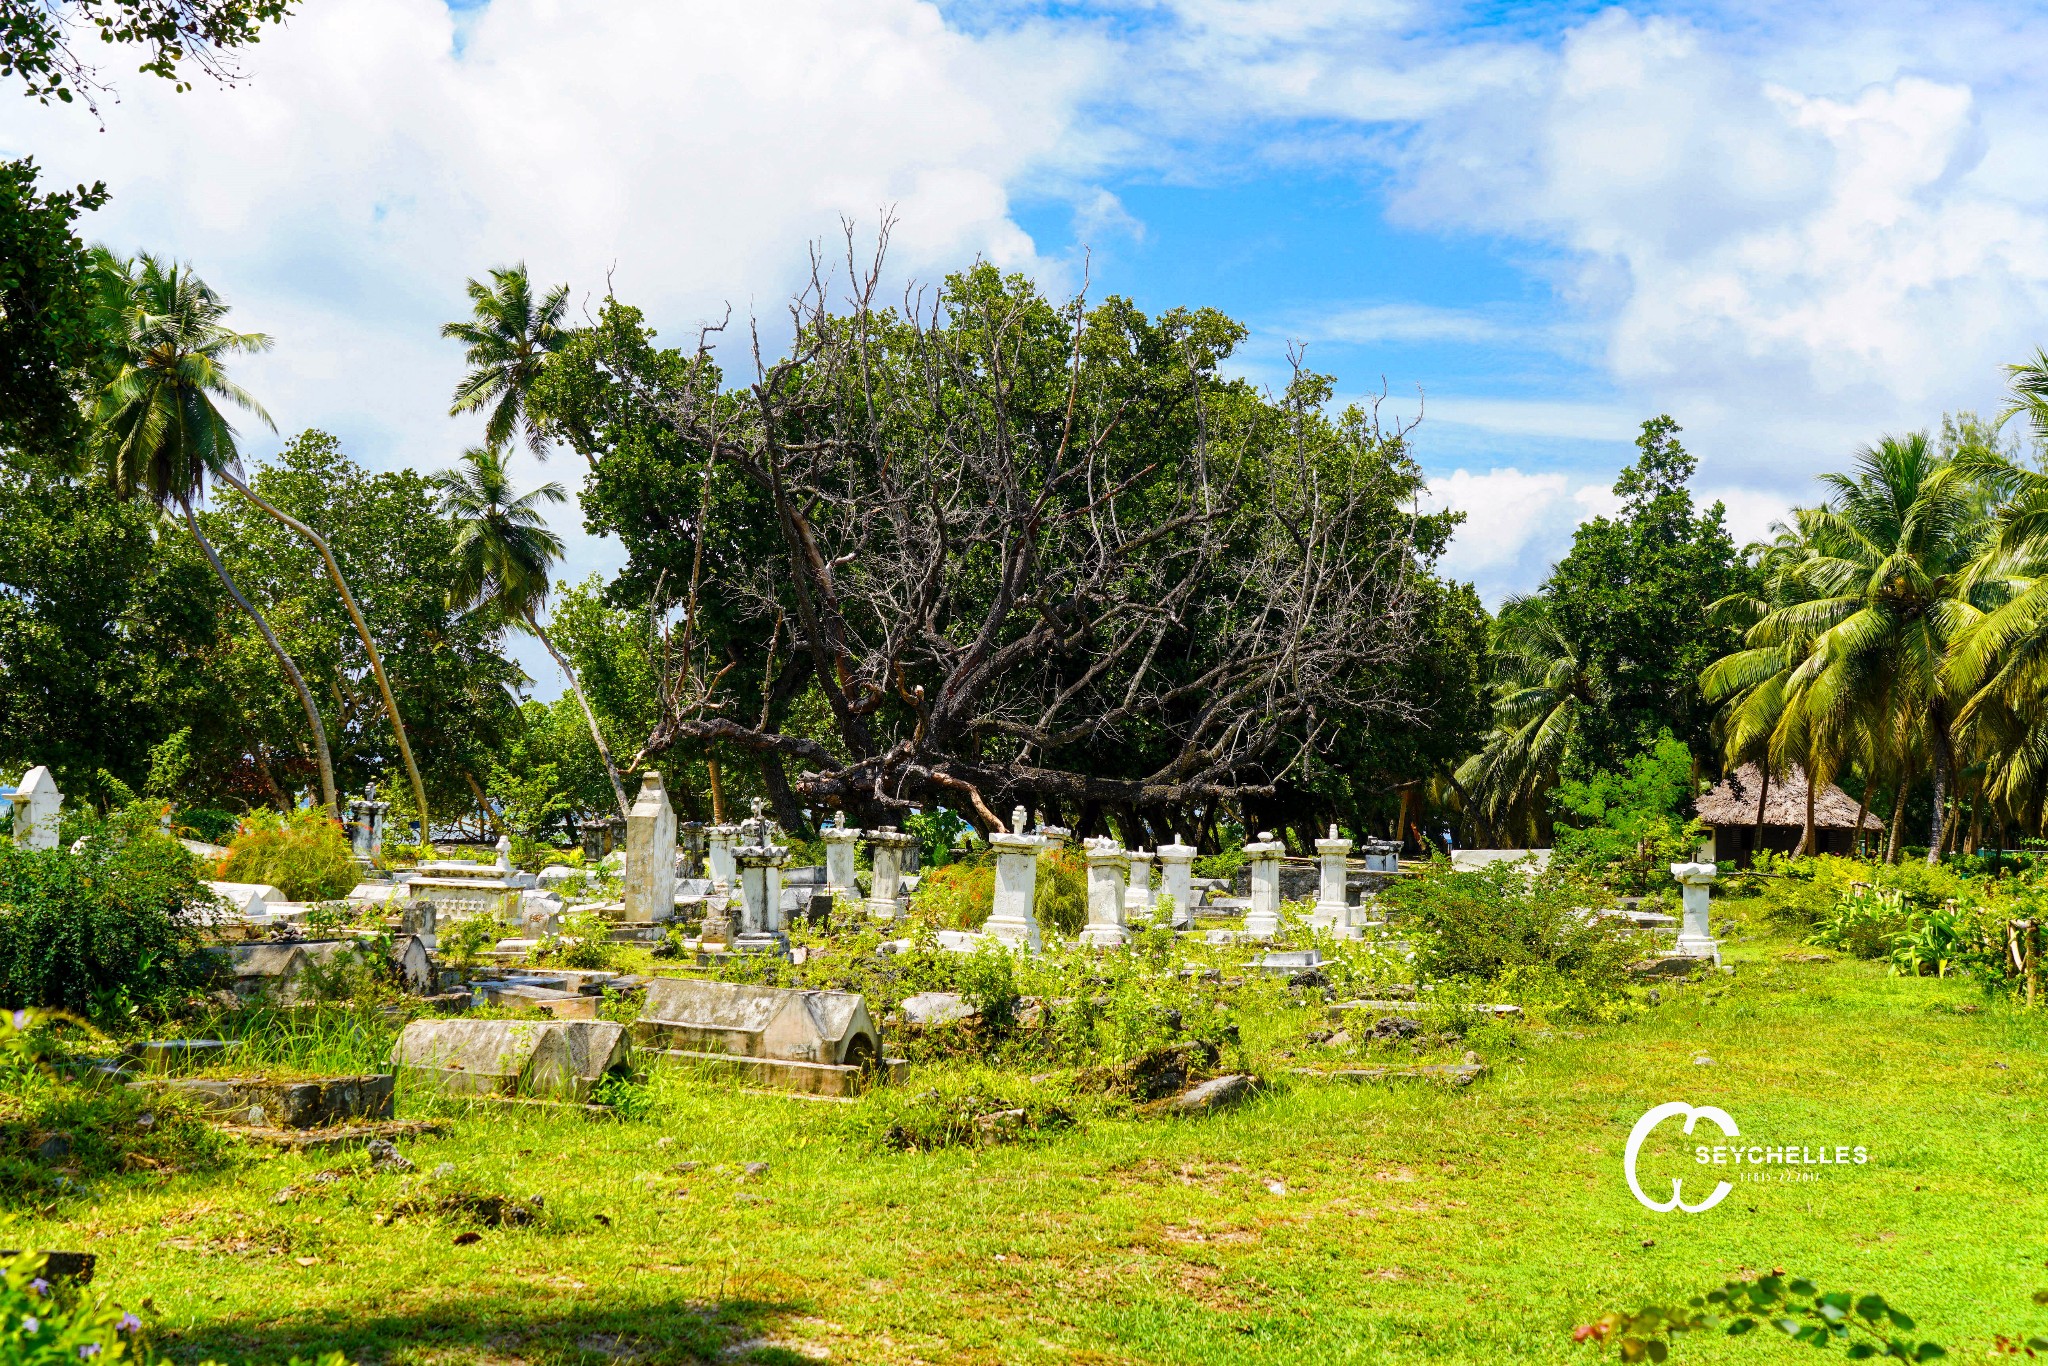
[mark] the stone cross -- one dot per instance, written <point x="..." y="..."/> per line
<point x="1332" y="912"/>
<point x="886" y="848"/>
<point x="839" y="858"/>
<point x="1263" y="920"/>
<point x="1015" y="918"/>
<point x="1105" y="929"/>
<point x="651" y="853"/>
<point x="1138" y="900"/>
<point x="37" y="805"/>
<point x="504" y="863"/>
<point x="1696" y="934"/>
<point x="1176" y="868"/>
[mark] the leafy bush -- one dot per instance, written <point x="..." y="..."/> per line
<point x="106" y="931"/>
<point x="1478" y="924"/>
<point x="1632" y="825"/>
<point x="1802" y="892"/>
<point x="958" y="896"/>
<point x="584" y="941"/>
<point x="979" y="1106"/>
<point x="936" y="832"/>
<point x="1061" y="902"/>
<point x="303" y="854"/>
<point x="205" y="823"/>
<point x="463" y="942"/>
<point x="1864" y="922"/>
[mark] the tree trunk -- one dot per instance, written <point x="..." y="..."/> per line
<point x="284" y="660"/>
<point x="1763" y="796"/>
<point x="1895" y="842"/>
<point x="611" y="770"/>
<point x="348" y="599"/>
<point x="483" y="804"/>
<point x="717" y="787"/>
<point x="1862" y="808"/>
<point x="1806" y="844"/>
<point x="776" y="780"/>
<point x="1944" y="766"/>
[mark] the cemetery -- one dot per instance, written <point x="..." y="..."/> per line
<point x="906" y="750"/>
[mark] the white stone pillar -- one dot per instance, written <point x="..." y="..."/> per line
<point x="1055" y="837"/>
<point x="1138" y="899"/>
<point x="37" y="807"/>
<point x="650" y="853"/>
<point x="839" y="858"/>
<point x="885" y="884"/>
<point x="1015" y="918"/>
<point x="1176" y="872"/>
<point x="760" y="892"/>
<point x="1696" y="933"/>
<point x="1332" y="911"/>
<point x="1263" y="920"/>
<point x="1105" y="928"/>
<point x="718" y="845"/>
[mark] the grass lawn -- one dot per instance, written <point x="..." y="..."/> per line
<point x="1319" y="1223"/>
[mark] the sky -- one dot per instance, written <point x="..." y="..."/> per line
<point x="1792" y="228"/>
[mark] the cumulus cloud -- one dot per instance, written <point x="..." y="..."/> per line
<point x="1515" y="523"/>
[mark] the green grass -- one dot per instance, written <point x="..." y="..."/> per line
<point x="1418" y="1223"/>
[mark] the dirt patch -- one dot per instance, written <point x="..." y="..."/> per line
<point x="1152" y="1171"/>
<point x="471" y="1209"/>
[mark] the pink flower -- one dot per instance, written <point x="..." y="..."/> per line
<point x="128" y="1324"/>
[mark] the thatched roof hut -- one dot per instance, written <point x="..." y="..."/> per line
<point x="1730" y="814"/>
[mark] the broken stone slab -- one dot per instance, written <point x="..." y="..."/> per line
<point x="563" y="1005"/>
<point x="266" y="1102"/>
<point x="929" y="1008"/>
<point x="376" y="893"/>
<point x="1670" y="965"/>
<point x="276" y="969"/>
<point x="1503" y="1011"/>
<point x="550" y="1059"/>
<point x="1455" y="1073"/>
<point x="336" y="1138"/>
<point x="1216" y="1094"/>
<point x="174" y="1055"/>
<point x="252" y="900"/>
<point x="820" y="1042"/>
<point x="1290" y="962"/>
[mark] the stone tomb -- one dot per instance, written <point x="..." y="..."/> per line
<point x="541" y="1059"/>
<point x="463" y="889"/>
<point x="817" y="1042"/>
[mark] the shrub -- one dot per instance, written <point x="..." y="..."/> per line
<point x="107" y="930"/>
<point x="1633" y="825"/>
<point x="1061" y="902"/>
<point x="1865" y="921"/>
<point x="585" y="941"/>
<point x="958" y="896"/>
<point x="1478" y="924"/>
<point x="936" y="832"/>
<point x="970" y="1107"/>
<point x="205" y="823"/>
<point x="302" y="853"/>
<point x="463" y="942"/>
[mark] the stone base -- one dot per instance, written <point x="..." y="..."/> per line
<point x="1698" y="946"/>
<point x="884" y="910"/>
<point x="1016" y="934"/>
<point x="1259" y="925"/>
<point x="806" y="1078"/>
<point x="762" y="943"/>
<point x="1105" y="936"/>
<point x="285" y="1104"/>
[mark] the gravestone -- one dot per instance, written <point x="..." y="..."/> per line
<point x="1696" y="935"/>
<point x="760" y="860"/>
<point x="1263" y="920"/>
<point x="650" y="892"/>
<point x="1176" y="865"/>
<point x="1332" y="912"/>
<point x="1014" y="921"/>
<point x="1105" y="928"/>
<point x="820" y="1042"/>
<point x="718" y="846"/>
<point x="840" y="839"/>
<point x="38" y="806"/>
<point x="1138" y="897"/>
<point x="547" y="1059"/>
<point x="887" y="848"/>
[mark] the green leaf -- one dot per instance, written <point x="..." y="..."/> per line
<point x="1633" y="1349"/>
<point x="1871" y="1307"/>
<point x="1799" y="1286"/>
<point x="1898" y="1319"/>
<point x="1928" y="1351"/>
<point x="1659" y="1349"/>
<point x="1791" y="1328"/>
<point x="1741" y="1326"/>
<point x="1859" y="1351"/>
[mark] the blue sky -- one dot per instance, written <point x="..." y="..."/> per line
<point x="1793" y="229"/>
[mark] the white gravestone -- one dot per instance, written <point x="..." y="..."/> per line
<point x="1176" y="865"/>
<point x="885" y="886"/>
<point x="650" y="892"/>
<point x="37" y="806"/>
<point x="1331" y="911"/>
<point x="718" y="843"/>
<point x="760" y="860"/>
<point x="1696" y="934"/>
<point x="1105" y="929"/>
<point x="839" y="850"/>
<point x="1015" y="918"/>
<point x="1138" y="898"/>
<point x="1263" y="920"/>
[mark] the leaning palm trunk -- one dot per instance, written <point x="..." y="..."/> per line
<point x="1944" y="770"/>
<point x="284" y="660"/>
<point x="1862" y="809"/>
<point x="1806" y="840"/>
<point x="412" y="770"/>
<point x="604" y="752"/>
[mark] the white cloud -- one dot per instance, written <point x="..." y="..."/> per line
<point x="1516" y="524"/>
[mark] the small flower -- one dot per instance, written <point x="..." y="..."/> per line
<point x="21" y="1019"/>
<point x="39" y="1286"/>
<point x="88" y="1351"/>
<point x="128" y="1324"/>
<point x="31" y="1324"/>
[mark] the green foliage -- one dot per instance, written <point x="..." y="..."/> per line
<point x="526" y="804"/>
<point x="36" y="38"/>
<point x="303" y="854"/>
<point x="45" y="316"/>
<point x="463" y="942"/>
<point x="1478" y="924"/>
<point x="1631" y="824"/>
<point x="106" y="931"/>
<point x="1865" y="922"/>
<point x="584" y="941"/>
<point x="979" y="1106"/>
<point x="1061" y="900"/>
<point x="1795" y="1307"/>
<point x="936" y="831"/>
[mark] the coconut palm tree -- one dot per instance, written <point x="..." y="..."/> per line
<point x="503" y="553"/>
<point x="157" y="432"/>
<point x="509" y="338"/>
<point x="1882" y="597"/>
<point x="1543" y="687"/>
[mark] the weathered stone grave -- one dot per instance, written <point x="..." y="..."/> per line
<point x="818" y="1042"/>
<point x="540" y="1059"/>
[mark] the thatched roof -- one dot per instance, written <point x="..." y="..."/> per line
<point x="1733" y="802"/>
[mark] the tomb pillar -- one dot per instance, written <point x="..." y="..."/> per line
<point x="1263" y="920"/>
